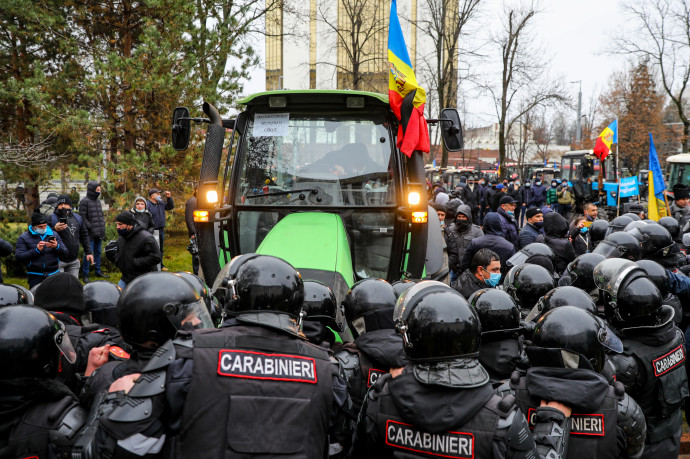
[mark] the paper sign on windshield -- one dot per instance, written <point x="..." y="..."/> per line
<point x="271" y="124"/>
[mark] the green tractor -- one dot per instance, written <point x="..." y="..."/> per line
<point x="314" y="177"/>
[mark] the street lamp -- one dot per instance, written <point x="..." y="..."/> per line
<point x="578" y="134"/>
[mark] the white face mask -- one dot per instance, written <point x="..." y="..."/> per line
<point x="40" y="230"/>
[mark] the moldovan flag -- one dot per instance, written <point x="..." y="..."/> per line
<point x="657" y="204"/>
<point x="607" y="137"/>
<point x="405" y="96"/>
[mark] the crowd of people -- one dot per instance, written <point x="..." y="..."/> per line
<point x="558" y="338"/>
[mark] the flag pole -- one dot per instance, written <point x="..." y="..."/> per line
<point x="618" y="174"/>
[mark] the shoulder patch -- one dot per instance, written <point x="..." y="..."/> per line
<point x="580" y="424"/>
<point x="669" y="361"/>
<point x="374" y="375"/>
<point x="442" y="444"/>
<point x="260" y="365"/>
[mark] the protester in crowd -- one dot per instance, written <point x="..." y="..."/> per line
<point x="484" y="272"/>
<point x="91" y="212"/>
<point x="533" y="231"/>
<point x="74" y="195"/>
<point x="591" y="213"/>
<point x="516" y="192"/>
<point x="5" y="250"/>
<point x="509" y="225"/>
<point x="537" y="194"/>
<point x="556" y="237"/>
<point x="566" y="200"/>
<point x="579" y="235"/>
<point x="471" y="196"/>
<point x="142" y="215"/>
<point x="496" y="198"/>
<point x="157" y="206"/>
<point x="191" y="205"/>
<point x="493" y="239"/>
<point x="73" y="232"/>
<point x="459" y="236"/>
<point x="680" y="207"/>
<point x="137" y="252"/>
<point x="552" y="196"/>
<point x="39" y="248"/>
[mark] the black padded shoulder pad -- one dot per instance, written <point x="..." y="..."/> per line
<point x="348" y="363"/>
<point x="69" y="427"/>
<point x="518" y="437"/>
<point x="149" y="384"/>
<point x="132" y="410"/>
<point x="163" y="357"/>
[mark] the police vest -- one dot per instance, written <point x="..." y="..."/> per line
<point x="256" y="392"/>
<point x="474" y="439"/>
<point x="592" y="435"/>
<point x="665" y="384"/>
<point x="359" y="371"/>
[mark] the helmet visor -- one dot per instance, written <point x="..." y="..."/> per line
<point x="608" y="338"/>
<point x="63" y="343"/>
<point x="609" y="274"/>
<point x="518" y="259"/>
<point x="608" y="249"/>
<point x="188" y="316"/>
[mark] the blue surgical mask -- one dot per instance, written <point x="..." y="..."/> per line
<point x="537" y="183"/>
<point x="139" y="210"/>
<point x="41" y="230"/>
<point x="584" y="229"/>
<point x="493" y="280"/>
<point x="510" y="212"/>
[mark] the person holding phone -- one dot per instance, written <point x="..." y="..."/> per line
<point x="73" y="232"/>
<point x="157" y="207"/>
<point x="40" y="249"/>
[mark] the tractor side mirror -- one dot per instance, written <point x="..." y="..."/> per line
<point x="451" y="129"/>
<point x="181" y="128"/>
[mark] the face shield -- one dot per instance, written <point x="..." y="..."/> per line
<point x="609" y="250"/>
<point x="610" y="274"/>
<point x="188" y="316"/>
<point x="62" y="341"/>
<point x="518" y="259"/>
<point x="608" y="338"/>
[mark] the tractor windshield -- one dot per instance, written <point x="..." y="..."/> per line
<point x="300" y="160"/>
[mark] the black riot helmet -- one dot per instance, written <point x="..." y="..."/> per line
<point x="31" y="340"/>
<point x="563" y="296"/>
<point x="155" y="305"/>
<point x="579" y="333"/>
<point x="658" y="241"/>
<point x="631" y="299"/>
<point x="497" y="312"/>
<point x="204" y="292"/>
<point x="619" y="245"/>
<point x="535" y="248"/>
<point x="633" y="216"/>
<point x="671" y="225"/>
<point x="635" y="224"/>
<point x="581" y="270"/>
<point x="259" y="283"/>
<point x="657" y="274"/>
<point x="369" y="306"/>
<point x="437" y="323"/>
<point x="618" y="224"/>
<point x="527" y="283"/>
<point x="597" y="230"/>
<point x="401" y="285"/>
<point x="320" y="304"/>
<point x="100" y="298"/>
<point x="11" y="294"/>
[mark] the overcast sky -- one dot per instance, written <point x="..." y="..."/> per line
<point x="574" y="32"/>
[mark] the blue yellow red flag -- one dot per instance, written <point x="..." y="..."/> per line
<point x="656" y="207"/>
<point x="608" y="137"/>
<point x="405" y="96"/>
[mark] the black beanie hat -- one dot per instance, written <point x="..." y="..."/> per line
<point x="38" y="218"/>
<point x="532" y="211"/>
<point x="61" y="292"/>
<point x="64" y="199"/>
<point x="126" y="217"/>
<point x="681" y="191"/>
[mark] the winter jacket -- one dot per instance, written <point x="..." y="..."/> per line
<point x="556" y="237"/>
<point x="530" y="234"/>
<point x="566" y="197"/>
<point x="489" y="193"/>
<point x="552" y="195"/>
<point x="91" y="212"/>
<point x="509" y="227"/>
<point x="137" y="253"/>
<point x="517" y="194"/>
<point x="158" y="211"/>
<point x="75" y="234"/>
<point x="493" y="239"/>
<point x="458" y="240"/>
<point x="189" y="209"/>
<point x="537" y="195"/>
<point x="5" y="250"/>
<point x="471" y="196"/>
<point x="144" y="218"/>
<point x="42" y="263"/>
<point x="579" y="240"/>
<point x="467" y="283"/>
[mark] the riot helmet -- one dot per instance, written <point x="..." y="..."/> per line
<point x="671" y="225"/>
<point x="400" y="286"/>
<point x="635" y="224"/>
<point x="658" y="241"/>
<point x="633" y="216"/>
<point x="563" y="296"/>
<point x="498" y="314"/>
<point x="369" y="306"/>
<point x="31" y="341"/>
<point x="11" y="294"/>
<point x="657" y="274"/>
<point x="619" y="245"/>
<point x="618" y="224"/>
<point x="204" y="292"/>
<point x="157" y="304"/>
<point x="527" y="283"/>
<point x="597" y="230"/>
<point x="581" y="270"/>
<point x="437" y="323"/>
<point x="320" y="304"/>
<point x="564" y="335"/>
<point x="535" y="248"/>
<point x="100" y="298"/>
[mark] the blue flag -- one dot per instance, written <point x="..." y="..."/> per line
<point x="655" y="168"/>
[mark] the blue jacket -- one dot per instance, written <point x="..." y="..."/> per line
<point x="509" y="227"/>
<point x="530" y="234"/>
<point x="157" y="211"/>
<point x="680" y="286"/>
<point x="493" y="239"/>
<point x="39" y="263"/>
<point x="537" y="195"/>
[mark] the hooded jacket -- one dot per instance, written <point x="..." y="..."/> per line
<point x="144" y="217"/>
<point x="537" y="195"/>
<point x="91" y="211"/>
<point x="493" y="239"/>
<point x="509" y="227"/>
<point x="75" y="234"/>
<point x="42" y="263"/>
<point x="556" y="237"/>
<point x="458" y="239"/>
<point x="137" y="253"/>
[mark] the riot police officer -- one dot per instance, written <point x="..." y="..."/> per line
<point x="527" y="284"/>
<point x="40" y="415"/>
<point x="580" y="273"/>
<point x="318" y="316"/>
<point x="100" y="299"/>
<point x="11" y="294"/>
<point x="253" y="387"/>
<point x="619" y="245"/>
<point x="597" y="233"/>
<point x="652" y="365"/>
<point x="562" y="296"/>
<point x="443" y="403"/>
<point x="205" y="293"/>
<point x="567" y="357"/>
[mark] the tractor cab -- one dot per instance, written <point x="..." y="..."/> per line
<point x="678" y="169"/>
<point x="316" y="178"/>
<point x="581" y="168"/>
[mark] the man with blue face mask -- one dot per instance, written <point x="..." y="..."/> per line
<point x="484" y="272"/>
<point x="40" y="248"/>
<point x="509" y="225"/>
